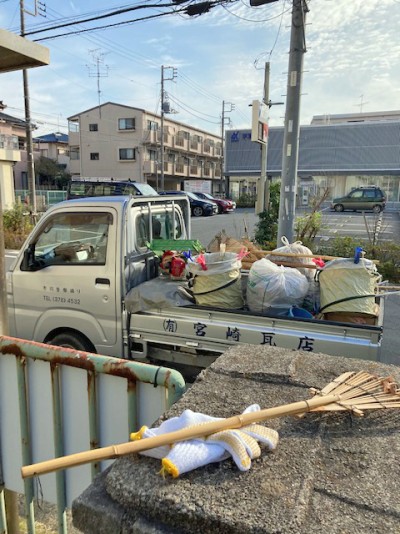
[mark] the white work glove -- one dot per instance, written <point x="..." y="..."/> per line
<point x="181" y="457"/>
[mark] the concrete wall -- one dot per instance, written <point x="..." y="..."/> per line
<point x="331" y="473"/>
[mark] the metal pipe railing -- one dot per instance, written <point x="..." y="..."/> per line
<point x="94" y="365"/>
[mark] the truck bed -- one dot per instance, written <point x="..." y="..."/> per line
<point x="200" y="334"/>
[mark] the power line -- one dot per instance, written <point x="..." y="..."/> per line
<point x="194" y="114"/>
<point x="98" y="17"/>
<point x="195" y="86"/>
<point x="179" y="102"/>
<point x="108" y="26"/>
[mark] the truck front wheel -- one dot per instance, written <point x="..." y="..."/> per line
<point x="71" y="340"/>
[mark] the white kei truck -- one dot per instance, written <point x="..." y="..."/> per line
<point x="87" y="278"/>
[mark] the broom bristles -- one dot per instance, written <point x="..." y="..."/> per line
<point x="360" y="391"/>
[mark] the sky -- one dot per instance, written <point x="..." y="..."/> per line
<point x="352" y="62"/>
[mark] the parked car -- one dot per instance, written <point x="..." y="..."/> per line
<point x="224" y="204"/>
<point x="99" y="187"/>
<point x="198" y="206"/>
<point x="362" y="198"/>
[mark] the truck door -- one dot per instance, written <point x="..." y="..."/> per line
<point x="66" y="278"/>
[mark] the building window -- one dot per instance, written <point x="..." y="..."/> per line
<point x="126" y="124"/>
<point x="152" y="155"/>
<point x="152" y="125"/>
<point x="93" y="128"/>
<point x="73" y="127"/>
<point x="94" y="156"/>
<point x="127" y="153"/>
<point x="74" y="152"/>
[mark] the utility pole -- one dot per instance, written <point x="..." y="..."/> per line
<point x="28" y="120"/>
<point x="290" y="151"/>
<point x="164" y="109"/>
<point x="223" y="123"/>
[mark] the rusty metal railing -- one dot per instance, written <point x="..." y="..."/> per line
<point x="42" y="413"/>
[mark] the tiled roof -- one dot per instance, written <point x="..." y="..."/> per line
<point x="56" y="137"/>
<point x="14" y="120"/>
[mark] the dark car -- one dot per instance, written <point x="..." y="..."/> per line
<point x="224" y="205"/>
<point x="198" y="206"/>
<point x="362" y="198"/>
<point x="99" y="187"/>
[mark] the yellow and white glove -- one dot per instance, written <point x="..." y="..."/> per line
<point x="181" y="457"/>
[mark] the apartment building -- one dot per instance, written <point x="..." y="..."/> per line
<point x="123" y="142"/>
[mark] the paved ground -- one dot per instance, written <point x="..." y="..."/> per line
<point x="334" y="224"/>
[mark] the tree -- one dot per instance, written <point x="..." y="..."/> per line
<point x="49" y="173"/>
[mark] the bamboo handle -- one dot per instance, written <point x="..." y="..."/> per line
<point x="295" y="265"/>
<point x="294" y="255"/>
<point x="197" y="431"/>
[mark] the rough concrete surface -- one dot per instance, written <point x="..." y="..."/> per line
<point x="331" y="473"/>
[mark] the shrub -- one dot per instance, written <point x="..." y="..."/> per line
<point x="246" y="200"/>
<point x="17" y="226"/>
<point x="307" y="227"/>
<point x="267" y="227"/>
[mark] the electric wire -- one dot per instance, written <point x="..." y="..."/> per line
<point x="252" y="20"/>
<point x="197" y="116"/>
<point x="140" y="19"/>
<point x="99" y="17"/>
<point x="179" y="102"/>
<point x="198" y="88"/>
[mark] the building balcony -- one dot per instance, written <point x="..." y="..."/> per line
<point x="149" y="167"/>
<point x="194" y="171"/>
<point x="181" y="143"/>
<point x="196" y="146"/>
<point x="181" y="169"/>
<point x="9" y="154"/>
<point x="168" y="139"/>
<point x="73" y="138"/>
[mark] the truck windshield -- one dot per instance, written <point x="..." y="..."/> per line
<point x="74" y="238"/>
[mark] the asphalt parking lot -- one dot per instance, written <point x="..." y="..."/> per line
<point x="386" y="225"/>
<point x="355" y="224"/>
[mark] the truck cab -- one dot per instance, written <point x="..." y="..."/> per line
<point x="68" y="284"/>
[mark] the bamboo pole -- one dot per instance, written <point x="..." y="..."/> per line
<point x="197" y="431"/>
<point x="294" y="255"/>
<point x="296" y="265"/>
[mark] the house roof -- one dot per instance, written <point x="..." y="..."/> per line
<point x="13" y="120"/>
<point x="56" y="137"/>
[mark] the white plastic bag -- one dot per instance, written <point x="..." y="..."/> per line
<point x="294" y="248"/>
<point x="274" y="286"/>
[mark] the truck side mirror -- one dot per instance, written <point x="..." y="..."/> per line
<point x="28" y="259"/>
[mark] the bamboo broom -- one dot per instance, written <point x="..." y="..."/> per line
<point x="350" y="391"/>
